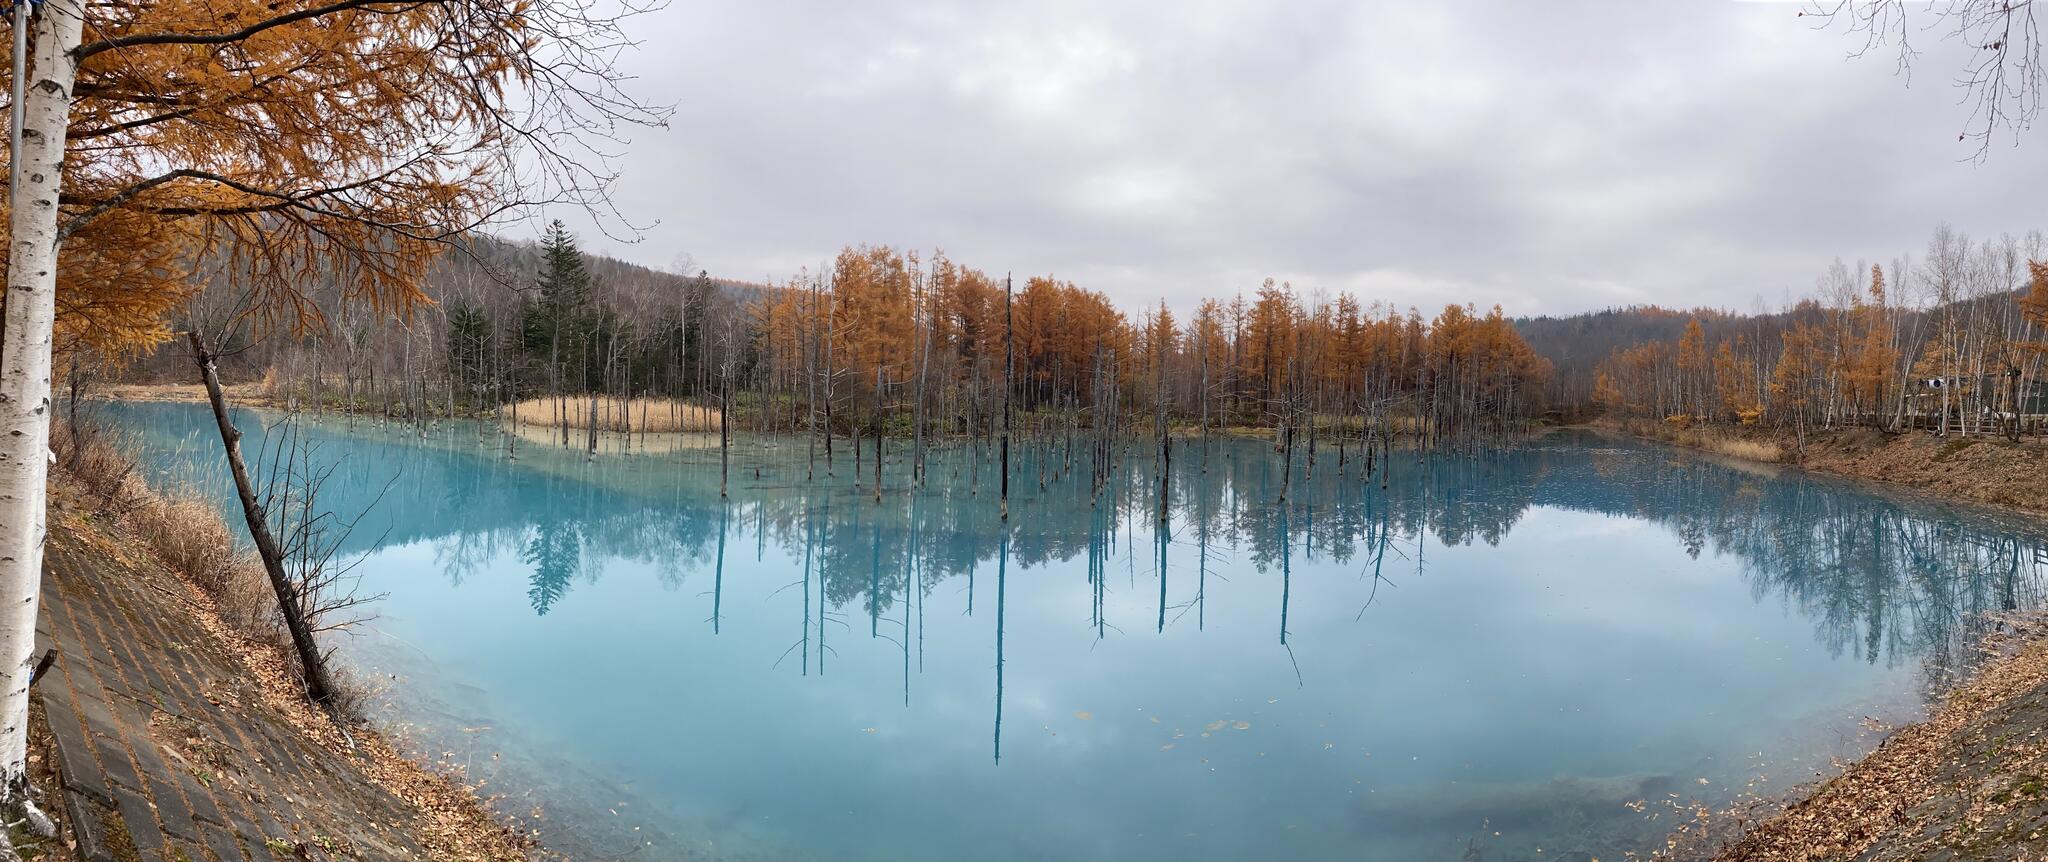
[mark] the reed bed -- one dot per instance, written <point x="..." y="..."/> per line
<point x="1720" y="441"/>
<point x="633" y="415"/>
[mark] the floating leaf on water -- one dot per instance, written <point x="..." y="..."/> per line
<point x="1217" y="725"/>
<point x="1240" y="725"/>
<point x="868" y="730"/>
<point x="1166" y="747"/>
<point x="1084" y="715"/>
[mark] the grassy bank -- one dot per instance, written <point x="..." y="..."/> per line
<point x="99" y="502"/>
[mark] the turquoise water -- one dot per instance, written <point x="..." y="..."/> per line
<point x="1494" y="654"/>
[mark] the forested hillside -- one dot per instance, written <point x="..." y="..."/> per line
<point x="1960" y="332"/>
<point x="1577" y="343"/>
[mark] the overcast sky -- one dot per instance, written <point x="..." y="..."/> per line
<point x="1548" y="157"/>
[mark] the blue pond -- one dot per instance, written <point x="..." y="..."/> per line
<point x="1555" y="648"/>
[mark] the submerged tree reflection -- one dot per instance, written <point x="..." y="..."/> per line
<point x="1881" y="578"/>
<point x="555" y="553"/>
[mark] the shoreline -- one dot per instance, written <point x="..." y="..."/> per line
<point x="1986" y="471"/>
<point x="253" y="395"/>
<point x="1994" y="701"/>
<point x="106" y="528"/>
<point x="1970" y="779"/>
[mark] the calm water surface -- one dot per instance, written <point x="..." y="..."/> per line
<point x="1490" y="656"/>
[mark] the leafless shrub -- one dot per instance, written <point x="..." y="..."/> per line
<point x="310" y="536"/>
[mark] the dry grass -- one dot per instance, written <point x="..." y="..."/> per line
<point x="178" y="527"/>
<point x="1739" y="448"/>
<point x="1715" y="440"/>
<point x="637" y="415"/>
<point x="183" y="393"/>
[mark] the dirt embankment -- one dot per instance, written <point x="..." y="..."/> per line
<point x="175" y="723"/>
<point x="1976" y="469"/>
<point x="1983" y="469"/>
<point x="1971" y="782"/>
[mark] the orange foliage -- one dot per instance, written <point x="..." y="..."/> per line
<point x="341" y="147"/>
<point x="2035" y="304"/>
<point x="1276" y="351"/>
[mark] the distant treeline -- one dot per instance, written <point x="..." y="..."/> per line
<point x="897" y="342"/>
<point x="906" y="344"/>
<point x="1955" y="340"/>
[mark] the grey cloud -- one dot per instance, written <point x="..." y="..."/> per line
<point x="1548" y="157"/>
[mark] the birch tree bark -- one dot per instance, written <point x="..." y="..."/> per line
<point x="25" y="375"/>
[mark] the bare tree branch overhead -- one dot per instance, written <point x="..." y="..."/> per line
<point x="2002" y="81"/>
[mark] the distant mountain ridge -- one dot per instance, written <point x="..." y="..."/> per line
<point x="1576" y="343"/>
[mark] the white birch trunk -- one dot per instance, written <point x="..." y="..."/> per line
<point x="25" y="373"/>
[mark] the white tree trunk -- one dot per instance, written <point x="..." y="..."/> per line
<point x="25" y="372"/>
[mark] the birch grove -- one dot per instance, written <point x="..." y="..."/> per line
<point x="1955" y="344"/>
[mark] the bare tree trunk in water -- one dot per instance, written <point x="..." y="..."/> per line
<point x="1205" y="406"/>
<point x="1165" y="455"/>
<point x="1286" y="459"/>
<point x="878" y="433"/>
<point x="827" y="324"/>
<point x="289" y="605"/>
<point x="725" y="432"/>
<point x="917" y="417"/>
<point x="590" y="423"/>
<point x="1009" y="370"/>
